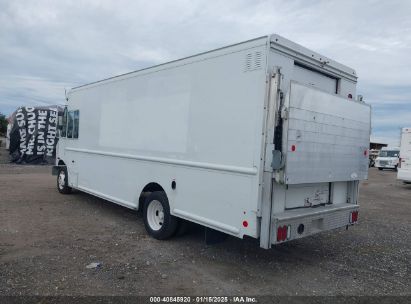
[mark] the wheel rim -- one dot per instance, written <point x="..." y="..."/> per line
<point x="155" y="215"/>
<point x="62" y="179"/>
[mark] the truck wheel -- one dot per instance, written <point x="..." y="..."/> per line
<point x="380" y="169"/>
<point x="158" y="221"/>
<point x="62" y="181"/>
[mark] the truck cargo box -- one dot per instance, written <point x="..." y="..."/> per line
<point x="262" y="138"/>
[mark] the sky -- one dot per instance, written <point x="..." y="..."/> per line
<point x="47" y="47"/>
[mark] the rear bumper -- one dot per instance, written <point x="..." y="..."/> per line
<point x="404" y="175"/>
<point x="313" y="220"/>
<point x="385" y="166"/>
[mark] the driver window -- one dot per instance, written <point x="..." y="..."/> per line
<point x="70" y="124"/>
<point x="64" y="124"/>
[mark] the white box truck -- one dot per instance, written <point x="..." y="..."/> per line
<point x="261" y="139"/>
<point x="404" y="165"/>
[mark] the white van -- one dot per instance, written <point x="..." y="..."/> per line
<point x="262" y="138"/>
<point x="388" y="158"/>
<point x="404" y="167"/>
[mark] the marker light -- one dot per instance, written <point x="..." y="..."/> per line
<point x="353" y="217"/>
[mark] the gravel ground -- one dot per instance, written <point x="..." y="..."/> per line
<point x="47" y="240"/>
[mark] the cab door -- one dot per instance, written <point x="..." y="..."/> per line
<point x="71" y="157"/>
<point x="62" y="137"/>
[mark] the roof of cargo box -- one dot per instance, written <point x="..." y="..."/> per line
<point x="306" y="55"/>
<point x="277" y="42"/>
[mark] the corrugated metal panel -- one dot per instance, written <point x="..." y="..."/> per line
<point x="326" y="137"/>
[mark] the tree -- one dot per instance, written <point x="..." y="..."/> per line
<point x="3" y="123"/>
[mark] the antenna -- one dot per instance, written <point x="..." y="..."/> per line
<point x="65" y="94"/>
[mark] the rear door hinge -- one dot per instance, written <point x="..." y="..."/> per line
<point x="284" y="113"/>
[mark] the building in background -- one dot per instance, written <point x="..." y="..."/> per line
<point x="377" y="146"/>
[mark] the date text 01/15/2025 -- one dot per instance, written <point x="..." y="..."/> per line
<point x="203" y="299"/>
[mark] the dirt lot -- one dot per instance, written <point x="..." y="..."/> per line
<point x="47" y="239"/>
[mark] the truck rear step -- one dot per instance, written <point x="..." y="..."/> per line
<point x="298" y="223"/>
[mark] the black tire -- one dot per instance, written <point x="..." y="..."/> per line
<point x="158" y="227"/>
<point x="380" y="169"/>
<point x="63" y="187"/>
<point x="396" y="169"/>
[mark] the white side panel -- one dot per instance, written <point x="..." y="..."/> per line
<point x="404" y="175"/>
<point x="201" y="195"/>
<point x="186" y="112"/>
<point x="172" y="139"/>
<point x="404" y="172"/>
<point x="327" y="137"/>
<point x="405" y="149"/>
<point x="197" y="121"/>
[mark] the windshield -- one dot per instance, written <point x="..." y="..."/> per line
<point x="388" y="153"/>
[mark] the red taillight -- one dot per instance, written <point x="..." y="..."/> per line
<point x="293" y="148"/>
<point x="282" y="232"/>
<point x="279" y="234"/>
<point x="354" y="217"/>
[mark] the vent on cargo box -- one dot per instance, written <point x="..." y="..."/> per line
<point x="253" y="61"/>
